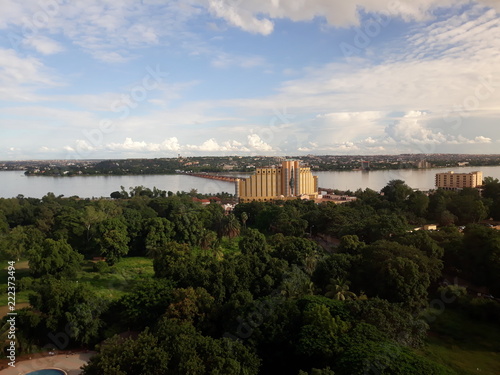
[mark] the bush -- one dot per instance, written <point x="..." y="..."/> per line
<point x="101" y="267"/>
<point x="24" y="284"/>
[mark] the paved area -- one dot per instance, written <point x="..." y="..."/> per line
<point x="70" y="363"/>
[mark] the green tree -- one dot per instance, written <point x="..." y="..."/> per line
<point x="230" y="226"/>
<point x="64" y="304"/>
<point x="244" y="218"/>
<point x="143" y="305"/>
<point x="192" y="305"/>
<point x="319" y="336"/>
<point x="112" y="239"/>
<point x="55" y="258"/>
<point x="339" y="289"/>
<point x="397" y="272"/>
<point x="159" y="232"/>
<point x="119" y="356"/>
<point x="397" y="192"/>
<point x="418" y="203"/>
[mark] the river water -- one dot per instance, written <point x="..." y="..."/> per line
<point x="13" y="183"/>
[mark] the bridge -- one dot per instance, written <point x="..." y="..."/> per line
<point x="214" y="177"/>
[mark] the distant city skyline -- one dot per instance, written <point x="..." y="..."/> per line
<point x="128" y="79"/>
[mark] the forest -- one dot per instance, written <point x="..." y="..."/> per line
<point x="157" y="283"/>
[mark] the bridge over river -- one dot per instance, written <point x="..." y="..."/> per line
<point x="215" y="177"/>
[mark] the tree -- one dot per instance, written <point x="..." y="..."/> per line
<point x="159" y="232"/>
<point x="468" y="208"/>
<point x="70" y="305"/>
<point x="15" y="245"/>
<point x="118" y="356"/>
<point x="339" y="289"/>
<point x="143" y="305"/>
<point x="116" y="195"/>
<point x="254" y="242"/>
<point x="319" y="335"/>
<point x="193" y="353"/>
<point x="397" y="272"/>
<point x="397" y="192"/>
<point x="230" y="226"/>
<point x="351" y="244"/>
<point x="296" y="283"/>
<point x="423" y="241"/>
<point x="208" y="239"/>
<point x="295" y="250"/>
<point x="112" y="239"/>
<point x="418" y="203"/>
<point x="188" y="226"/>
<point x="192" y="305"/>
<point x="55" y="258"/>
<point x="244" y="218"/>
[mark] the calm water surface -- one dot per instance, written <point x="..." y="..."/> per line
<point x="13" y="183"/>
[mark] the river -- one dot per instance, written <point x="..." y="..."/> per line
<point x="13" y="183"/>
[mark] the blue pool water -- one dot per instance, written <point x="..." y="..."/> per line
<point x="47" y="372"/>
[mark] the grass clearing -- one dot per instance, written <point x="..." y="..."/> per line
<point x="117" y="280"/>
<point x="466" y="345"/>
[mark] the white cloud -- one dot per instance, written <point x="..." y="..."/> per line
<point x="44" y="45"/>
<point x="257" y="144"/>
<point x="169" y="144"/>
<point x="20" y="77"/>
<point x="409" y="130"/>
<point x="481" y="139"/>
<point x="256" y="15"/>
<point x="131" y="147"/>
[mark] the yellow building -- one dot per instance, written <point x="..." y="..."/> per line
<point x="285" y="182"/>
<point x="453" y="181"/>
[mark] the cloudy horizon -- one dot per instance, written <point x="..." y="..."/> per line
<point x="248" y="77"/>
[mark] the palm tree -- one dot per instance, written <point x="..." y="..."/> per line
<point x="339" y="289"/>
<point x="230" y="226"/>
<point x="208" y="238"/>
<point x="244" y="218"/>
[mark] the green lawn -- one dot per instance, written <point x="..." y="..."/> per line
<point x="127" y="273"/>
<point x="464" y="344"/>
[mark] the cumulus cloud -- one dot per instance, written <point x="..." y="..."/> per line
<point x="170" y="144"/>
<point x="409" y="130"/>
<point x="257" y="144"/>
<point x="211" y="145"/>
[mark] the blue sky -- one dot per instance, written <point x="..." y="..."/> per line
<point x="151" y="78"/>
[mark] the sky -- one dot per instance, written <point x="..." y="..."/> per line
<point x="98" y="79"/>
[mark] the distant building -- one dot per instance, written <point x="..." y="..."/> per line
<point x="454" y="181"/>
<point x="284" y="182"/>
<point x="423" y="164"/>
<point x="365" y="165"/>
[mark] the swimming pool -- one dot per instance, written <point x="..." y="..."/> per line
<point x="47" y="372"/>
